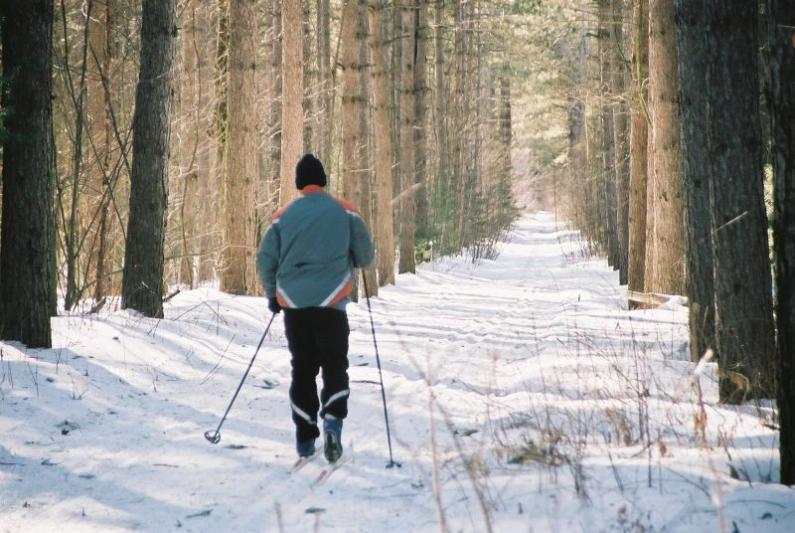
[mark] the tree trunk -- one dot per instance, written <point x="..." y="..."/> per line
<point x="142" y="283"/>
<point x="238" y="271"/>
<point x="505" y="165"/>
<point x="782" y="107"/>
<point x="205" y="36"/>
<point x="639" y="134"/>
<point x="220" y="125"/>
<point x="665" y="251"/>
<point x="188" y="114"/>
<point x="407" y="148"/>
<point x="275" y="116"/>
<point x="457" y="190"/>
<point x="102" y="65"/>
<point x="364" y="198"/>
<point x="693" y="102"/>
<point x="607" y="141"/>
<point x="292" y="98"/>
<point x="325" y="88"/>
<point x="420" y="118"/>
<point x="621" y="132"/>
<point x="385" y="231"/>
<point x="72" y="230"/>
<point x="441" y="181"/>
<point x="310" y="79"/>
<point x="27" y="246"/>
<point x="743" y="306"/>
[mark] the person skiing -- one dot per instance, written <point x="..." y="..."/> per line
<point x="306" y="261"/>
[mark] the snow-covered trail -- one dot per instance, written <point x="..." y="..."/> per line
<point x="523" y="397"/>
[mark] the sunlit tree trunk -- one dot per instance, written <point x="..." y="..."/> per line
<point x="607" y="133"/>
<point x="310" y="78"/>
<point x="292" y="98"/>
<point x="665" y="254"/>
<point x="638" y="141"/>
<point x="420" y="116"/>
<point x="237" y="273"/>
<point x="385" y="233"/>
<point x="407" y="148"/>
<point x="441" y="179"/>
<point x="275" y="111"/>
<point x="621" y="132"/>
<point x="325" y="89"/>
<point x="102" y="56"/>
<point x="190" y="128"/>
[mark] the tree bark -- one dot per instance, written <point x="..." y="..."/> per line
<point x="211" y="245"/>
<point x="275" y="116"/>
<point x="408" y="208"/>
<point x="607" y="140"/>
<point x="420" y="118"/>
<point x="310" y="79"/>
<point x="142" y="282"/>
<point x="782" y="108"/>
<point x="238" y="271"/>
<point x="364" y="198"/>
<point x="665" y="251"/>
<point x="188" y="114"/>
<point x="325" y="89"/>
<point x="639" y="134"/>
<point x="442" y="180"/>
<point x="694" y="101"/>
<point x="385" y="231"/>
<point x="27" y="246"/>
<point x="743" y="306"/>
<point x="72" y="236"/>
<point x="621" y="132"/>
<point x="102" y="65"/>
<point x="292" y="98"/>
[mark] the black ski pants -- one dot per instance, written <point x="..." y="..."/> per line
<point x="318" y="339"/>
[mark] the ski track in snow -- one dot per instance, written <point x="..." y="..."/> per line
<point x="541" y="380"/>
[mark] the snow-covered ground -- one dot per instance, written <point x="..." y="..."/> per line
<point x="523" y="397"/>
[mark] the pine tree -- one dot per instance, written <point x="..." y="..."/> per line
<point x="142" y="282"/>
<point x="782" y="103"/>
<point x="292" y="98"/>
<point x="237" y="274"/>
<point x="27" y="243"/>
<point x="665" y="249"/>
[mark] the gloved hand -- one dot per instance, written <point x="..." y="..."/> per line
<point x="273" y="305"/>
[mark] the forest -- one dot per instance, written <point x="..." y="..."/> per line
<point x="147" y="145"/>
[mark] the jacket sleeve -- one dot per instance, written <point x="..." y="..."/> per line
<point x="268" y="259"/>
<point x="361" y="244"/>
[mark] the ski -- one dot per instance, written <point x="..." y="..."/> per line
<point x="302" y="462"/>
<point x="329" y="470"/>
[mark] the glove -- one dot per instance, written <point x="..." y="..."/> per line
<point x="273" y="305"/>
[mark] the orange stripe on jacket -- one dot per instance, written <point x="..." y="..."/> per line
<point x="348" y="206"/>
<point x="346" y="290"/>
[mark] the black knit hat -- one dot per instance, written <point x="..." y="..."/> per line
<point x="309" y="171"/>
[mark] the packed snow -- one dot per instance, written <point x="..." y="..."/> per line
<point x="522" y="395"/>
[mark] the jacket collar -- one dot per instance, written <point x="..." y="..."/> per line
<point x="312" y="189"/>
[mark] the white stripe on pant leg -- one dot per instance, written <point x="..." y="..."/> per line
<point x="335" y="397"/>
<point x="300" y="412"/>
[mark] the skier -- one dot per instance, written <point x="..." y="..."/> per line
<point x="306" y="262"/>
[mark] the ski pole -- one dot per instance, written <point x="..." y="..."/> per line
<point x="215" y="438"/>
<point x="392" y="462"/>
